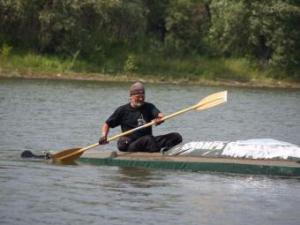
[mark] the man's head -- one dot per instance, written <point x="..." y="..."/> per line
<point x="137" y="88"/>
<point x="137" y="94"/>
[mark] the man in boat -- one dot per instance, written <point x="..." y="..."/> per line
<point x="134" y="114"/>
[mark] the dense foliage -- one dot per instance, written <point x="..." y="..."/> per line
<point x="265" y="31"/>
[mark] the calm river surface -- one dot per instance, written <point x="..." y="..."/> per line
<point x="41" y="115"/>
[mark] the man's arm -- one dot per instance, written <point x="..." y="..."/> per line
<point x="111" y="122"/>
<point x="105" y="131"/>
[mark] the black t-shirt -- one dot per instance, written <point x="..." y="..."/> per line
<point x="128" y="118"/>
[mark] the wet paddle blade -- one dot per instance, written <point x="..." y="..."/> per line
<point x="71" y="154"/>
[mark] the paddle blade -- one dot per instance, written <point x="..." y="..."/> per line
<point x="212" y="100"/>
<point x="67" y="156"/>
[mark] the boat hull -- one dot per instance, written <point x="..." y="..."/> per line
<point x="210" y="164"/>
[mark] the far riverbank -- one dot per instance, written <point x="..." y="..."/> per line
<point x="264" y="83"/>
<point x="239" y="72"/>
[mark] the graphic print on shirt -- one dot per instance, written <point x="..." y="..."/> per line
<point x="141" y="121"/>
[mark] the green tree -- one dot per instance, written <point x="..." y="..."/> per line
<point x="19" y="22"/>
<point x="187" y="23"/>
<point x="90" y="25"/>
<point x="266" y="30"/>
<point x="229" y="32"/>
<point x="156" y="18"/>
<point x="275" y="32"/>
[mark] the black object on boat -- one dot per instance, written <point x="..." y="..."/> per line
<point x="28" y="154"/>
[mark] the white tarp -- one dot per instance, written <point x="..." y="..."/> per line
<point x="261" y="149"/>
<point x="252" y="149"/>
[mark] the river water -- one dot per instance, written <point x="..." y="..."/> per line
<point x="42" y="115"/>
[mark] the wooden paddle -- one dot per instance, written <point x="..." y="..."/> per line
<point x="212" y="100"/>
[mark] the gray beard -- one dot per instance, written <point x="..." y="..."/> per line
<point x="138" y="105"/>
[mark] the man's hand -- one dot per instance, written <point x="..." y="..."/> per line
<point x="158" y="121"/>
<point x="103" y="140"/>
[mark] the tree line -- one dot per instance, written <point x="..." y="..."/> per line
<point x="265" y="31"/>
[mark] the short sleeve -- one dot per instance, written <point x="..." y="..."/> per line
<point x="154" y="111"/>
<point x="115" y="119"/>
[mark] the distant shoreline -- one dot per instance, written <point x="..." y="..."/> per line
<point x="270" y="83"/>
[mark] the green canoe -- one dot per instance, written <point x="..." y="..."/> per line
<point x="188" y="163"/>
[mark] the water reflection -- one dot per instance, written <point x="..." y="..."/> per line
<point x="135" y="173"/>
<point x="134" y="179"/>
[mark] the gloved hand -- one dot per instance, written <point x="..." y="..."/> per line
<point x="103" y="140"/>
